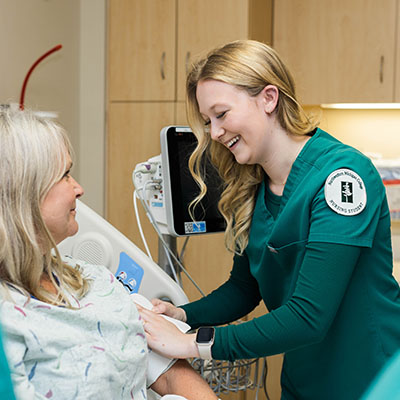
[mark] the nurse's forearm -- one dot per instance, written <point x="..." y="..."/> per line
<point x="231" y="301"/>
<point x="224" y="305"/>
<point x="305" y="318"/>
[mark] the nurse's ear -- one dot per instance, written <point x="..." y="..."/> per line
<point x="269" y="97"/>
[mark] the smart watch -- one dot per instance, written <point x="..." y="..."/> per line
<point x="204" y="341"/>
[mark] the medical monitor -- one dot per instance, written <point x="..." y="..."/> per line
<point x="177" y="144"/>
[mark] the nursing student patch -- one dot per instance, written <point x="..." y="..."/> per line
<point x="345" y="192"/>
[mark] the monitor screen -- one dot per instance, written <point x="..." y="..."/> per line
<point x="177" y="144"/>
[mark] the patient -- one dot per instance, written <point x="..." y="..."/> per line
<point x="70" y="329"/>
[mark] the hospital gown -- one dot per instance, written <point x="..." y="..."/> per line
<point x="96" y="351"/>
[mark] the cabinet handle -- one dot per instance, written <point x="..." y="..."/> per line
<point x="162" y="65"/>
<point x="187" y="62"/>
<point x="381" y="69"/>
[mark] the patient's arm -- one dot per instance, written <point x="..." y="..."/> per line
<point x="182" y="379"/>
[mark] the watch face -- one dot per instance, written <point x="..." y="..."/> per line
<point x="204" y="335"/>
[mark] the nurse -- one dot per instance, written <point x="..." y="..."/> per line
<point x="308" y="224"/>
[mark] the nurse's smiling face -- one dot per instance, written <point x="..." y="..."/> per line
<point x="58" y="207"/>
<point x="237" y="120"/>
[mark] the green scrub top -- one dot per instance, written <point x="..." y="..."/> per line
<point x="336" y="326"/>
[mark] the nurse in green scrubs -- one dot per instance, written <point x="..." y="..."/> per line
<point x="308" y="224"/>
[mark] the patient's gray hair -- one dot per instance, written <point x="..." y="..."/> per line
<point x="33" y="157"/>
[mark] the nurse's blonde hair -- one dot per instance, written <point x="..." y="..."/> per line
<point x="250" y="66"/>
<point x="33" y="157"/>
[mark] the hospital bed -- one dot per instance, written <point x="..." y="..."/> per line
<point x="98" y="242"/>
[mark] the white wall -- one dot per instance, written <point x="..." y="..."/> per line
<point x="28" y="29"/>
<point x="70" y="81"/>
<point x="92" y="102"/>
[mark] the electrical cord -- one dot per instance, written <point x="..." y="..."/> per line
<point x="181" y="257"/>
<point x="143" y="190"/>
<point x="154" y="223"/>
<point x="171" y="264"/>
<point x="141" y="195"/>
<point x="182" y="253"/>
<point x="135" y="197"/>
<point x="265" y="373"/>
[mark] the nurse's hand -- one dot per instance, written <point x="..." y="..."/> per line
<point x="165" y="338"/>
<point x="163" y="307"/>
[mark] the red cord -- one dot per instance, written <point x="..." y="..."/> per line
<point x="21" y="101"/>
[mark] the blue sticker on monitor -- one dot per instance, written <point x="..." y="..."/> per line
<point x="129" y="273"/>
<point x="195" y="227"/>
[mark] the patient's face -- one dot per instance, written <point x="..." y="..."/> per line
<point x="58" y="207"/>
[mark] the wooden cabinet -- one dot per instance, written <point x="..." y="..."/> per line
<point x="150" y="44"/>
<point x="338" y="51"/>
<point x="205" y="24"/>
<point x="141" y="50"/>
<point x="133" y="137"/>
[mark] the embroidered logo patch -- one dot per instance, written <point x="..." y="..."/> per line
<point x="345" y="192"/>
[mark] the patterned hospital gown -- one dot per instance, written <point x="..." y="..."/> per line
<point x="97" y="351"/>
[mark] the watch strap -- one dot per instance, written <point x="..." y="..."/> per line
<point x="205" y="350"/>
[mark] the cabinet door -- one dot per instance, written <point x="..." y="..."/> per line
<point x="338" y="51"/>
<point x="141" y="50"/>
<point x="202" y="25"/>
<point x="133" y="137"/>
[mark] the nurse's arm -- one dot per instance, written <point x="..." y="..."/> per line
<point x="183" y="380"/>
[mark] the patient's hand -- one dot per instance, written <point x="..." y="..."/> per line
<point x="163" y="307"/>
<point x="165" y="338"/>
